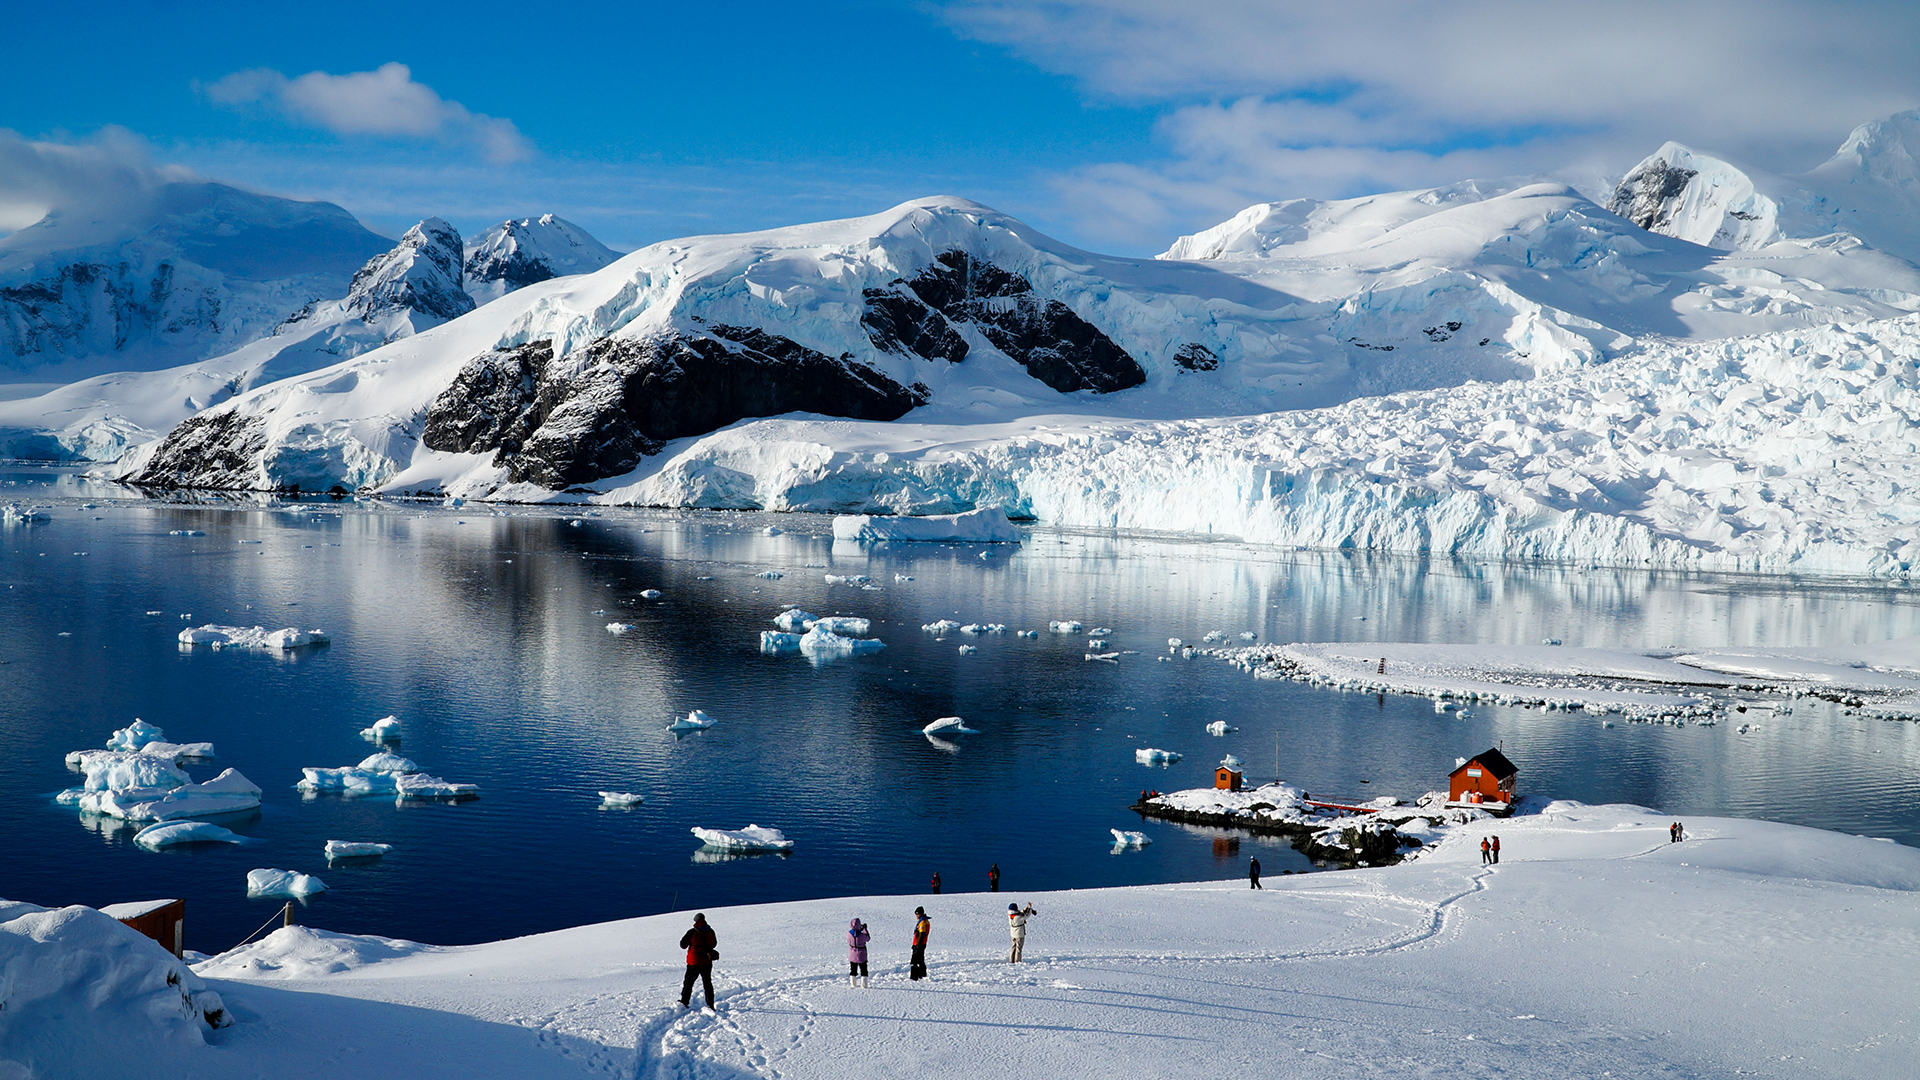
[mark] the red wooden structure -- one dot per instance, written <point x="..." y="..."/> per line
<point x="1486" y="777"/>
<point x="1225" y="779"/>
<point x="165" y="921"/>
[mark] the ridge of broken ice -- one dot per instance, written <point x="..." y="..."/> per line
<point x="252" y="637"/>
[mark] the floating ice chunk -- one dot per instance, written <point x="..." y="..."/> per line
<point x="1123" y="840"/>
<point x="774" y="641"/>
<point x="774" y="530"/>
<point x="385" y="729"/>
<point x="224" y="794"/>
<point x="350" y="849"/>
<point x="1065" y="626"/>
<point x="1445" y="707"/>
<point x="820" y="641"/>
<point x="350" y="781"/>
<point x="126" y="770"/>
<point x="649" y="594"/>
<point x="387" y="762"/>
<point x="1174" y="643"/>
<point x="169" y="833"/>
<point x="283" y="883"/>
<point x="988" y="525"/>
<point x="1186" y="652"/>
<point x="693" y="721"/>
<point x="15" y="514"/>
<point x="1220" y="727"/>
<point x="252" y="637"/>
<point x="770" y="575"/>
<point x="751" y="838"/>
<point x="902" y="577"/>
<point x="948" y="725"/>
<point x="135" y="735"/>
<point x="1109" y="657"/>
<point x="845" y="625"/>
<point x="1215" y="635"/>
<point x="846" y="579"/>
<point x="794" y="619"/>
<point x="1148" y="755"/>
<point x="575" y="523"/>
<point x="1099" y="631"/>
<point x="984" y="628"/>
<point x="940" y="626"/>
<point x="969" y="650"/>
<point x="1096" y="644"/>
<point x="1550" y="641"/>
<point x="185" y="532"/>
<point x="453" y="502"/>
<point x="1026" y="633"/>
<point x="249" y="541"/>
<point x="422" y="786"/>
<point x="1248" y="635"/>
<point x="621" y="798"/>
<point x="619" y="627"/>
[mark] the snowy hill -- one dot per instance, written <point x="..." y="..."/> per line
<point x="515" y="254"/>
<point x="187" y="271"/>
<point x="413" y="287"/>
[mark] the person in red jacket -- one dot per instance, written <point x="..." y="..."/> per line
<point x="922" y="928"/>
<point x="700" y="943"/>
<point x="936" y="883"/>
<point x="993" y="878"/>
<point x="1496" y="851"/>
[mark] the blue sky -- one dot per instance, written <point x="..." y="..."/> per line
<point x="1116" y="125"/>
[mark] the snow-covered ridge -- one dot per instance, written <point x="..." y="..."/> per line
<point x="518" y="253"/>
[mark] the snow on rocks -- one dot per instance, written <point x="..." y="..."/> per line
<point x="303" y="952"/>
<point x="253" y="637"/>
<point x="987" y="525"/>
<point x="169" y="833"/>
<point x="621" y="799"/>
<point x="949" y="725"/>
<point x="1148" y="755"/>
<point x="751" y="838"/>
<point x="355" y="849"/>
<point x="693" y="721"/>
<point x="1124" y="840"/>
<point x="282" y="883"/>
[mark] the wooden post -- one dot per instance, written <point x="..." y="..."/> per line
<point x="1383" y="666"/>
<point x="286" y="914"/>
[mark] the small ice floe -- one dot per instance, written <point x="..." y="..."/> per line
<point x="986" y="525"/>
<point x="1220" y="727"/>
<point x="619" y="627"/>
<point x="1606" y="723"/>
<point x="1065" y="626"/>
<point x="185" y="532"/>
<point x="1148" y="755"/>
<point x="249" y="541"/>
<point x="1106" y="657"/>
<point x="1174" y="643"/>
<point x="770" y="575"/>
<point x="969" y="650"/>
<point x="1248" y="635"/>
<point x="820" y="641"/>
<point x="1123" y="840"/>
<point x="751" y="838"/>
<point x="902" y="577"/>
<point x="421" y="786"/>
<point x="1550" y="641"/>
<point x="135" y="735"/>
<point x="774" y="641"/>
<point x="1096" y="644"/>
<point x="252" y="637"/>
<point x="1026" y="633"/>
<point x="1215" y="635"/>
<point x="846" y="579"/>
<point x="387" y="762"/>
<point x="1099" y="631"/>
<point x="385" y="729"/>
<point x="948" y="725"/>
<point x="1445" y="707"/>
<point x="349" y="781"/>
<point x="621" y="799"/>
<point x="693" y="721"/>
<point x="649" y="594"/>
<point x="224" y="794"/>
<point x="453" y="502"/>
<point x="940" y="626"/>
<point x="1231" y="762"/>
<point x="575" y="523"/>
<point x="1186" y="652"/>
<point x="353" y="849"/>
<point x="796" y="619"/>
<point x="846" y="625"/>
<point x="169" y="833"/>
<point x="285" y="883"/>
<point x="774" y="530"/>
<point x="984" y="628"/>
<point x="703" y="577"/>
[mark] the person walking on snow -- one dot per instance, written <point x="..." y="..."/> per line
<point x="1017" y="926"/>
<point x="1253" y="874"/>
<point x="993" y="878"/>
<point x="922" y="928"/>
<point x="857" y="938"/>
<point x="1496" y="851"/>
<point x="1486" y="853"/>
<point x="936" y="883"/>
<point x="700" y="944"/>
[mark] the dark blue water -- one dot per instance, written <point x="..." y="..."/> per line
<point x="485" y="635"/>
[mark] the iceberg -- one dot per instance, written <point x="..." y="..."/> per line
<point x="621" y="799"/>
<point x="350" y="849"/>
<point x="385" y="729"/>
<point x="846" y="579"/>
<point x="693" y="721"/>
<point x="794" y="619"/>
<point x="844" y="625"/>
<point x="422" y="786"/>
<point x="224" y="794"/>
<point x="820" y="641"/>
<point x="969" y="650"/>
<point x="948" y="725"/>
<point x="773" y="641"/>
<point x="770" y="575"/>
<point x="619" y="627"/>
<point x="940" y="626"/>
<point x="349" y="781"/>
<point x="988" y="525"/>
<point x="1066" y="626"/>
<point x="1124" y="840"/>
<point x="169" y="833"/>
<point x="1153" y="756"/>
<point x="123" y="771"/>
<point x="984" y="628"/>
<point x="387" y="762"/>
<point x="135" y="735"/>
<point x="649" y="594"/>
<point x="269" y="882"/>
<point x="751" y="838"/>
<point x="1220" y="727"/>
<point x="252" y="637"/>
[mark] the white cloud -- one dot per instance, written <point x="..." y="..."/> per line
<point x="101" y="176"/>
<point x="385" y="101"/>
<point x="1269" y="100"/>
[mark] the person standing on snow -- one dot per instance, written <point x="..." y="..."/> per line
<point x="993" y="878"/>
<point x="1017" y="926"/>
<point x="700" y="944"/>
<point x="922" y="929"/>
<point x="857" y="938"/>
<point x="1496" y="851"/>
<point x="936" y="883"/>
<point x="1253" y="874"/>
<point x="1486" y="853"/>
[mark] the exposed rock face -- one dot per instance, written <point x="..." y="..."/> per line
<point x="1194" y="356"/>
<point x="1055" y="345"/>
<point x="1646" y="196"/>
<point x="423" y="274"/>
<point x="597" y="414"/>
<point x="515" y="254"/>
<point x="213" y="450"/>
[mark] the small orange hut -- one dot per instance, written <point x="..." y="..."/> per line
<point x="1486" y="777"/>
<point x="1227" y="778"/>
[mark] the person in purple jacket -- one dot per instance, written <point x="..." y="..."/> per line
<point x="857" y="938"/>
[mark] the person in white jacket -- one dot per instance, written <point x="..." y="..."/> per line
<point x="1017" y="926"/>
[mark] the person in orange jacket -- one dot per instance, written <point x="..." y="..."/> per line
<point x="922" y="928"/>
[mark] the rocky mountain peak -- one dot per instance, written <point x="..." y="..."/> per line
<point x="423" y="273"/>
<point x="515" y="254"/>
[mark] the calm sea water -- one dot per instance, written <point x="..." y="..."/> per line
<point x="486" y="635"/>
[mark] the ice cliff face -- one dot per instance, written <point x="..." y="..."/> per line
<point x="185" y="271"/>
<point x="515" y="254"/>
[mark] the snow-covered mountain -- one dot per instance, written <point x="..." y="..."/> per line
<point x="176" y="274"/>
<point x="515" y="254"/>
<point x="415" y="286"/>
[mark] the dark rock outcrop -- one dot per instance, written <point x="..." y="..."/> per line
<point x="218" y="450"/>
<point x="1056" y="346"/>
<point x="597" y="414"/>
<point x="1645" y="194"/>
<point x="1194" y="356"/>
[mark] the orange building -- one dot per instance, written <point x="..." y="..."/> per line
<point x="1484" y="778"/>
<point x="1227" y="778"/>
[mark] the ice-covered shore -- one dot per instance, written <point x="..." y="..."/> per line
<point x="1595" y="947"/>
